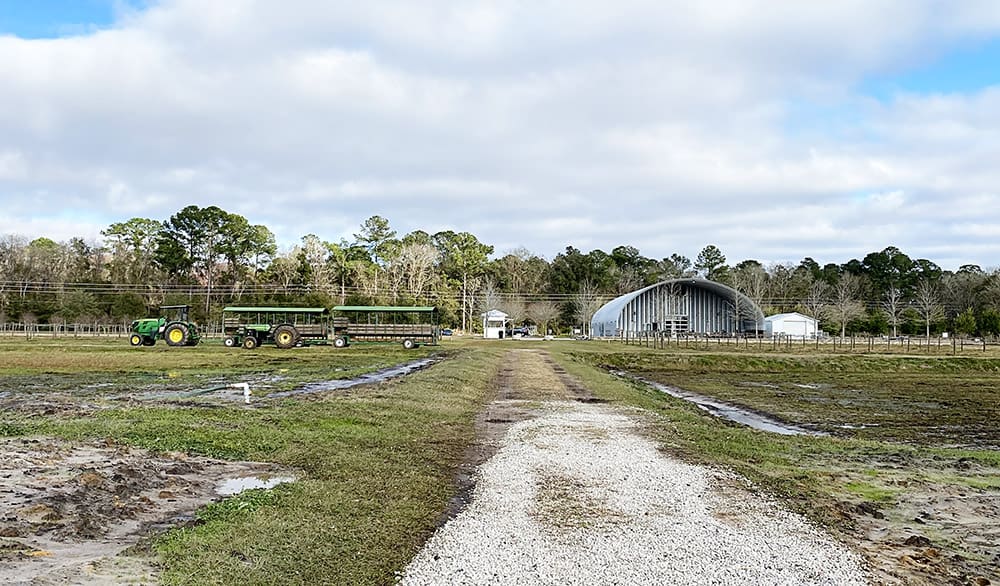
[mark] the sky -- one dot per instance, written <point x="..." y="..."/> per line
<point x="774" y="130"/>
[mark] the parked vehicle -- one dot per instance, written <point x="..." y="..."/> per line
<point x="175" y="328"/>
<point x="409" y="325"/>
<point x="285" y="327"/>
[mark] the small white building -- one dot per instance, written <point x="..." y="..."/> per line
<point x="494" y="324"/>
<point x="790" y="325"/>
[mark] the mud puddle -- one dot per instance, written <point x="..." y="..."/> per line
<point x="69" y="511"/>
<point x="378" y="376"/>
<point x="753" y="419"/>
<point x="237" y="485"/>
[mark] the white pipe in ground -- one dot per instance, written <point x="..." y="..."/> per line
<point x="246" y="390"/>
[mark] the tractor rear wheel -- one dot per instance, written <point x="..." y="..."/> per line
<point x="135" y="340"/>
<point x="176" y="334"/>
<point x="250" y="342"/>
<point x="286" y="336"/>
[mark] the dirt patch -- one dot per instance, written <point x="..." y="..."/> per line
<point x="933" y="534"/>
<point x="565" y="502"/>
<point x="70" y="511"/>
<point x="490" y="426"/>
<point x="574" y="387"/>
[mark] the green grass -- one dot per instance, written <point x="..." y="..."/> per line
<point x="952" y="401"/>
<point x="101" y="366"/>
<point x="376" y="466"/>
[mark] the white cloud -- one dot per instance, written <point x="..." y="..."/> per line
<point x="663" y="125"/>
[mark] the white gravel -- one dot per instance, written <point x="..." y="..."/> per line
<point x="579" y="496"/>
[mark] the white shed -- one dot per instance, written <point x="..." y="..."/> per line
<point x="494" y="324"/>
<point x="790" y="325"/>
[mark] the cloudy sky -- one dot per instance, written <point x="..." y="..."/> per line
<point x="773" y="129"/>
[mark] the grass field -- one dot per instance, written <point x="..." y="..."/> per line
<point x="911" y="450"/>
<point x="375" y="466"/>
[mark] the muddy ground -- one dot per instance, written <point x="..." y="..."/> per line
<point x="60" y="396"/>
<point x="80" y="513"/>
<point x="933" y="533"/>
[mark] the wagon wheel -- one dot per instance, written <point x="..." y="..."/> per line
<point x="286" y="336"/>
<point x="135" y="340"/>
<point x="229" y="342"/>
<point x="409" y="344"/>
<point x="176" y="334"/>
<point x="148" y="341"/>
<point x="339" y="342"/>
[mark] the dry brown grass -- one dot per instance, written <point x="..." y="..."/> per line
<point x="535" y="379"/>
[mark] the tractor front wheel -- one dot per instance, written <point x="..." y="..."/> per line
<point x="176" y="334"/>
<point x="250" y="342"/>
<point x="135" y="340"/>
<point x="286" y="336"/>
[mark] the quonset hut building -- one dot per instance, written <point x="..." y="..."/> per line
<point x="678" y="306"/>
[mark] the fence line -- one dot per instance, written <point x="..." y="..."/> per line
<point x="935" y="345"/>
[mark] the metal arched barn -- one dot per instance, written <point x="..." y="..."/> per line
<point x="678" y="306"/>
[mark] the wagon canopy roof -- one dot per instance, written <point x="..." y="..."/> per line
<point x="276" y="309"/>
<point x="386" y="308"/>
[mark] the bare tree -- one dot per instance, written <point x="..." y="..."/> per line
<point x="751" y="281"/>
<point x="586" y="302"/>
<point x="737" y="310"/>
<point x="515" y="309"/>
<point x="418" y="261"/>
<point x="961" y="291"/>
<point x="674" y="302"/>
<point x="815" y="301"/>
<point x="779" y="284"/>
<point x="844" y="304"/>
<point x="490" y="296"/>
<point x="991" y="290"/>
<point x="543" y="312"/>
<point x="892" y="307"/>
<point x="366" y="276"/>
<point x="926" y="300"/>
<point x="626" y="279"/>
<point x="284" y="269"/>
<point x="314" y="254"/>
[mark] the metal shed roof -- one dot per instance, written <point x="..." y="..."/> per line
<point x="611" y="310"/>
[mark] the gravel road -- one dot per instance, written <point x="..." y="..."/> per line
<point x="579" y="496"/>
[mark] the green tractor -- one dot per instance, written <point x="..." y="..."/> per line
<point x="175" y="329"/>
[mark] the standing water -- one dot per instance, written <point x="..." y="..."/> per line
<point x="346" y="383"/>
<point x="725" y="410"/>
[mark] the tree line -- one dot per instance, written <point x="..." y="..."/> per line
<point x="209" y="257"/>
